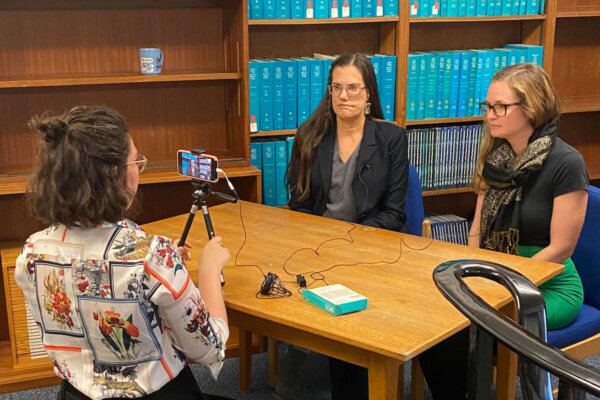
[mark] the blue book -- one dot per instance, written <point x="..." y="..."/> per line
<point x="297" y="9"/>
<point x="435" y="8"/>
<point x="462" y="8"/>
<point x="290" y="146"/>
<point x="321" y="8"/>
<point x="447" y="83"/>
<point x="431" y="84"/>
<point x="488" y="72"/>
<point x="327" y="61"/>
<point x="533" y="7"/>
<point x="495" y="63"/>
<point x="463" y="86"/>
<point x="412" y="83"/>
<point x="453" y="8"/>
<point x="290" y="93"/>
<point x="415" y="8"/>
<point x="281" y="161"/>
<point x="513" y="56"/>
<point x="254" y="95"/>
<point x="471" y="8"/>
<point x="336" y="299"/>
<point x="507" y="7"/>
<point x="388" y="86"/>
<point x="481" y="8"/>
<point x="504" y="54"/>
<point x="534" y="54"/>
<point x="454" y="86"/>
<point x="278" y="97"/>
<point x="516" y="6"/>
<point x="334" y="10"/>
<point x="444" y="8"/>
<point x="249" y="11"/>
<point x="425" y="9"/>
<point x="377" y="62"/>
<point x="283" y="10"/>
<point x="309" y="9"/>
<point x="439" y="98"/>
<point x="265" y="79"/>
<point x="256" y="7"/>
<point x="303" y="90"/>
<point x="421" y="85"/>
<point x="316" y="82"/>
<point x="344" y="8"/>
<point x="472" y="82"/>
<point x="390" y="7"/>
<point x="491" y="7"/>
<point x="369" y="8"/>
<point x="498" y="10"/>
<point x="478" y="83"/>
<point x="523" y="7"/>
<point x="269" y="9"/>
<point x="379" y="8"/>
<point x="356" y="9"/>
<point x="256" y="154"/>
<point x="269" y="178"/>
<point x="542" y="6"/>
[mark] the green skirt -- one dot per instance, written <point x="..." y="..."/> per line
<point x="563" y="293"/>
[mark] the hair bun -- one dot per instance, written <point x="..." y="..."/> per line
<point x="53" y="129"/>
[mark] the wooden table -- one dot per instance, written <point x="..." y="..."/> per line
<point x="406" y="314"/>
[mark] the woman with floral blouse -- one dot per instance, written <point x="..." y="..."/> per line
<point x="118" y="312"/>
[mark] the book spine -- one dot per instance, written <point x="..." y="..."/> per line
<point x="344" y="8"/>
<point x="456" y="57"/>
<point x="388" y="83"/>
<point x="431" y="85"/>
<point x="303" y="90"/>
<point x="297" y="9"/>
<point x="425" y="8"/>
<point x="453" y="8"/>
<point x="309" y="9"/>
<point x="321" y="8"/>
<point x="414" y="8"/>
<point x="462" y="8"/>
<point x="257" y="9"/>
<point x="256" y="154"/>
<point x="290" y="105"/>
<point x="390" y="7"/>
<point x="356" y="9"/>
<point x="266" y="95"/>
<point x="281" y="161"/>
<point x="278" y="99"/>
<point x="268" y="174"/>
<point x="253" y="96"/>
<point x="463" y="87"/>
<point x="478" y="83"/>
<point x="283" y="9"/>
<point x="481" y="8"/>
<point x="422" y="83"/>
<point x="269" y="9"/>
<point x="411" y="87"/>
<point x="472" y="82"/>
<point x="447" y="83"/>
<point x="316" y="83"/>
<point x="369" y="8"/>
<point x="439" y="97"/>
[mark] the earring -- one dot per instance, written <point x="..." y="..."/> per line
<point x="367" y="108"/>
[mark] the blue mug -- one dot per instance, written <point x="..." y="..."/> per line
<point x="151" y="61"/>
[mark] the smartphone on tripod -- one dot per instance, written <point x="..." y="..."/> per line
<point x="199" y="166"/>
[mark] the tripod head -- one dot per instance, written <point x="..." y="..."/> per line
<point x="202" y="190"/>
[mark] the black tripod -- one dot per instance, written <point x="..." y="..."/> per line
<point x="201" y="191"/>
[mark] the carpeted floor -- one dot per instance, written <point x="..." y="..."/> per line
<point x="313" y="381"/>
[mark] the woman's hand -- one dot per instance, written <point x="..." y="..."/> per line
<point x="184" y="252"/>
<point x="213" y="258"/>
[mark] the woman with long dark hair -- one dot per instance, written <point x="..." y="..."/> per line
<point x="347" y="162"/>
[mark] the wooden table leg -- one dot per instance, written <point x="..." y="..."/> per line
<point x="417" y="381"/>
<point x="384" y="378"/>
<point x="506" y="375"/>
<point x="245" y="359"/>
<point x="273" y="349"/>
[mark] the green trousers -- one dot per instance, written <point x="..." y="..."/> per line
<point x="563" y="293"/>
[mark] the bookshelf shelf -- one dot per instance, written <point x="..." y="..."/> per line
<point x="580" y="104"/>
<point x="11" y="185"/>
<point x="285" y="132"/>
<point x="447" y="191"/>
<point x="499" y="18"/>
<point x="322" y="21"/>
<point x="578" y="13"/>
<point x="443" y="120"/>
<point x="109" y="79"/>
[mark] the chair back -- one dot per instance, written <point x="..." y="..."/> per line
<point x="413" y="206"/>
<point x="587" y="252"/>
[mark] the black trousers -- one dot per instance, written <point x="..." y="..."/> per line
<point x="182" y="387"/>
<point x="445" y="367"/>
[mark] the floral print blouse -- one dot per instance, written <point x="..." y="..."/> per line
<point x="118" y="312"/>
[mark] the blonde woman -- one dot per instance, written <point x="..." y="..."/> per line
<point x="532" y="195"/>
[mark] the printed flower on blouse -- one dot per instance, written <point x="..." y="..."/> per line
<point x="56" y="301"/>
<point x="167" y="256"/>
<point x="198" y="322"/>
<point x="119" y="334"/>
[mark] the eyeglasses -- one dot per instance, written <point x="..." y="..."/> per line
<point x="351" y="90"/>
<point x="499" y="109"/>
<point x="140" y="162"/>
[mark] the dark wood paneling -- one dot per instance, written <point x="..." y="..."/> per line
<point x="462" y="204"/>
<point x="578" y="5"/>
<point x="581" y="131"/>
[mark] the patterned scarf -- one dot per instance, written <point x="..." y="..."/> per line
<point x="506" y="173"/>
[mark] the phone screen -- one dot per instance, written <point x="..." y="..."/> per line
<point x="197" y="166"/>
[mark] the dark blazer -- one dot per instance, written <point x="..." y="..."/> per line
<point x="380" y="179"/>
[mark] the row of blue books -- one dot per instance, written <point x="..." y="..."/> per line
<point x="447" y="84"/>
<point x="284" y="92"/>
<point x="472" y="8"/>
<point x="302" y="9"/>
<point x="445" y="157"/>
<point x="449" y="228"/>
<point x="272" y="158"/>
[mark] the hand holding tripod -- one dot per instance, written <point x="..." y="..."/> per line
<point x="202" y="190"/>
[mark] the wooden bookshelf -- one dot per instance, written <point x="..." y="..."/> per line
<point x="322" y="21"/>
<point x="433" y="20"/>
<point x="457" y="120"/>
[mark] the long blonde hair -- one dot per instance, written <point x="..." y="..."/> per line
<point x="538" y="101"/>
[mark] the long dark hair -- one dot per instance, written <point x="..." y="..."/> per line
<point x="81" y="175"/>
<point x="311" y="132"/>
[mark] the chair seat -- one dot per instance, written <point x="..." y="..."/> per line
<point x="585" y="325"/>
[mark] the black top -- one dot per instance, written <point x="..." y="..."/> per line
<point x="563" y="172"/>
<point x="380" y="180"/>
